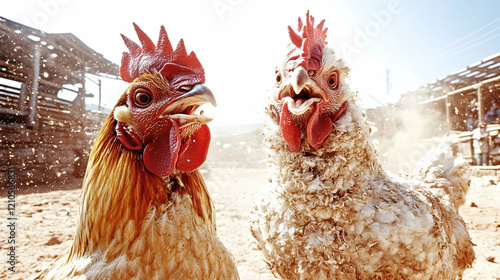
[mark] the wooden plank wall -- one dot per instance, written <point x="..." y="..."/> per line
<point x="48" y="154"/>
<point x="52" y="149"/>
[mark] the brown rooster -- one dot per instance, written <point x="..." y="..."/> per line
<point x="145" y="211"/>
<point x="330" y="211"/>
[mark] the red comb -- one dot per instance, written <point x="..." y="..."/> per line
<point x="176" y="66"/>
<point x="308" y="44"/>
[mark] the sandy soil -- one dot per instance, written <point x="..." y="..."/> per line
<point x="47" y="220"/>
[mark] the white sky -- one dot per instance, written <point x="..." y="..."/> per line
<point x="239" y="41"/>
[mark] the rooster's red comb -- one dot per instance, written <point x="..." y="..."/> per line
<point x="307" y="44"/>
<point x="176" y="66"/>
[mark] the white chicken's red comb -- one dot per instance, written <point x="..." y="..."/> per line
<point x="308" y="44"/>
<point x="179" y="68"/>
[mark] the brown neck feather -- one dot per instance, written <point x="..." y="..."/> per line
<point x="118" y="192"/>
<point x="194" y="186"/>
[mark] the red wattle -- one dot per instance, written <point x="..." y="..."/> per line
<point x="318" y="128"/>
<point x="160" y="154"/>
<point x="194" y="151"/>
<point x="289" y="129"/>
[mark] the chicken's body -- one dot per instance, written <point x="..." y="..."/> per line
<point x="141" y="218"/>
<point x="331" y="212"/>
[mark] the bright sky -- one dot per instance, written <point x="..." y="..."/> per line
<point x="239" y="41"/>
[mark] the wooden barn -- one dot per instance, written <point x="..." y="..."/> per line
<point x="44" y="134"/>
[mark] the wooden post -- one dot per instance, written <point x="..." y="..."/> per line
<point x="33" y="98"/>
<point x="99" y="108"/>
<point x="84" y="70"/>
<point x="23" y="96"/>
<point x="448" y="112"/>
<point x="480" y="114"/>
<point x="78" y="106"/>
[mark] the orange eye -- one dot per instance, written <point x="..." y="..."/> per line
<point x="143" y="98"/>
<point x="333" y="80"/>
<point x="278" y="78"/>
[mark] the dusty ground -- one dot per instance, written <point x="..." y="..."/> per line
<point x="47" y="219"/>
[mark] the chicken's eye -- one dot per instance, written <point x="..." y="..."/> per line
<point x="333" y="80"/>
<point x="278" y="79"/>
<point x="143" y="98"/>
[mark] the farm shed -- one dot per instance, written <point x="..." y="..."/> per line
<point x="466" y="93"/>
<point x="45" y="134"/>
<point x="450" y="102"/>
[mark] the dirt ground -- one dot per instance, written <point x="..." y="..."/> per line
<point x="46" y="220"/>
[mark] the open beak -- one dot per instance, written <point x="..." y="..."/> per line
<point x="183" y="108"/>
<point x="301" y="92"/>
<point x="299" y="79"/>
<point x="199" y="94"/>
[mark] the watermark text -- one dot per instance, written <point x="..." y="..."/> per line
<point x="11" y="219"/>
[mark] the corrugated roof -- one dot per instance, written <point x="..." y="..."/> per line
<point x="475" y="73"/>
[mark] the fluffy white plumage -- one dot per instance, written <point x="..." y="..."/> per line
<point x="333" y="213"/>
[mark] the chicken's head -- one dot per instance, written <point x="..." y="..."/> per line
<point x="309" y="95"/>
<point x="156" y="115"/>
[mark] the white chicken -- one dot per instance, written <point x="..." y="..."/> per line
<point x="330" y="211"/>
